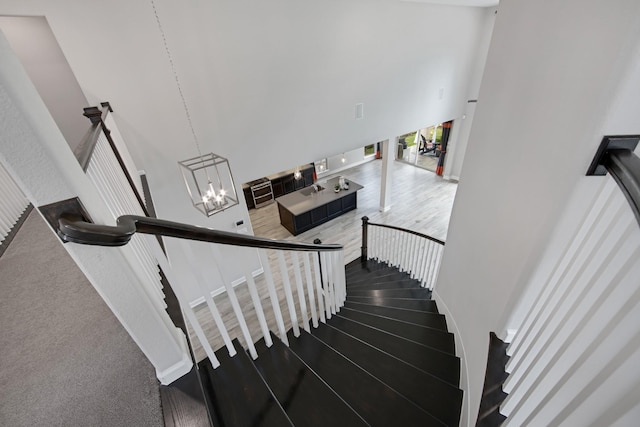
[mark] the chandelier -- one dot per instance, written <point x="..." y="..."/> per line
<point x="207" y="177"/>
<point x="209" y="183"/>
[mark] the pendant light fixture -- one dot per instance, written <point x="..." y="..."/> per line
<point x="207" y="177"/>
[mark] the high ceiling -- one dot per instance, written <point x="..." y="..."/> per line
<point x="268" y="85"/>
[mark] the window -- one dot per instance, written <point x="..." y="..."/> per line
<point x="321" y="166"/>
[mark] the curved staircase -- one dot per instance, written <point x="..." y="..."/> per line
<point x="385" y="359"/>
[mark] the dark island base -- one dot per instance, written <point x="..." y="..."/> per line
<point x="297" y="224"/>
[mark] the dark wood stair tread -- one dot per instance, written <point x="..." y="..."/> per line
<point x="390" y="293"/>
<point x="369" y="266"/>
<point x="377" y="403"/>
<point x="491" y="401"/>
<point x="237" y="394"/>
<point x="430" y="337"/>
<point x="411" y="304"/>
<point x="305" y="397"/>
<point x="393" y="284"/>
<point x="431" y="320"/>
<point x="493" y="419"/>
<point x="437" y="397"/>
<point x="444" y="366"/>
<point x="383" y="276"/>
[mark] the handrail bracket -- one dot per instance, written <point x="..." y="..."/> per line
<point x="609" y="143"/>
<point x="70" y="207"/>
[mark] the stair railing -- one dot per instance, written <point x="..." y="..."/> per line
<point x="294" y="263"/>
<point x="412" y="252"/>
<point x="104" y="157"/>
<point x="577" y="320"/>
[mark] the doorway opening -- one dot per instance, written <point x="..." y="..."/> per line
<point x="425" y="148"/>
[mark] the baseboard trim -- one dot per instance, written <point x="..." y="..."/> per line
<point x="180" y="369"/>
<point x="461" y="353"/>
<point x="196" y="302"/>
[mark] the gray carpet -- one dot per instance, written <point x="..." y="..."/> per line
<point x="65" y="360"/>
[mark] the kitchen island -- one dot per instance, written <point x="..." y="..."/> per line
<point x="307" y="208"/>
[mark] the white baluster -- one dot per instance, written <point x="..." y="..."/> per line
<point x="422" y="257"/>
<point x="312" y="299"/>
<point x="204" y="290"/>
<point x="288" y="294"/>
<point x="335" y="271"/>
<point x="429" y="263"/>
<point x="204" y="342"/>
<point x="405" y="252"/>
<point x="385" y="244"/>
<point x="231" y="293"/>
<point x="303" y="305"/>
<point x="319" y="287"/>
<point x="275" y="303"/>
<point x="372" y="244"/>
<point x="328" y="281"/>
<point x="414" y="255"/>
<point x="341" y="277"/>
<point x="184" y="303"/>
<point x="257" y="304"/>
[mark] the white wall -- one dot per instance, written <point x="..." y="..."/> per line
<point x="352" y="158"/>
<point x="35" y="153"/>
<point x="544" y="99"/>
<point x="587" y="278"/>
<point x="34" y="43"/>
<point x="459" y="138"/>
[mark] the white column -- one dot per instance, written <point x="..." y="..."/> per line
<point x="387" y="172"/>
<point x="39" y="159"/>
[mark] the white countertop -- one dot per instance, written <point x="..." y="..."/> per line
<point x="298" y="203"/>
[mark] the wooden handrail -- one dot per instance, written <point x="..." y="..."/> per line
<point x="393" y="227"/>
<point x="72" y="227"/>
<point x="616" y="156"/>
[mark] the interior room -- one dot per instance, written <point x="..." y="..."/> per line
<point x="141" y="133"/>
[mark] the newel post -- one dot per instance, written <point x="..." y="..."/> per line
<point x="363" y="249"/>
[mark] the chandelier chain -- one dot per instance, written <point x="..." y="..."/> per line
<point x="175" y="75"/>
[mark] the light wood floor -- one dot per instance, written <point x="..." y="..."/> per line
<point x="425" y="161"/>
<point x="421" y="201"/>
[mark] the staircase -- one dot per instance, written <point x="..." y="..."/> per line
<point x="386" y="358"/>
